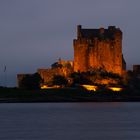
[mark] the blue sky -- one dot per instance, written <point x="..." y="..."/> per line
<point x="35" y="33"/>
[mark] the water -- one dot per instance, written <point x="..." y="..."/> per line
<point x="70" y="121"/>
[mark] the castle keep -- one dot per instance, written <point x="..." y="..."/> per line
<point x="98" y="49"/>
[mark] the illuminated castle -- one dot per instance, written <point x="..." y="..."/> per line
<point x="99" y="49"/>
<point x="94" y="49"/>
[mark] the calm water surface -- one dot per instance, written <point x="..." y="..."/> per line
<point x="70" y="121"/>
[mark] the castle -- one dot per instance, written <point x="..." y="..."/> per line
<point x="94" y="49"/>
<point x="99" y="48"/>
<point x="61" y="67"/>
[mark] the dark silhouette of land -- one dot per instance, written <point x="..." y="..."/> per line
<point x="77" y="94"/>
<point x="74" y="91"/>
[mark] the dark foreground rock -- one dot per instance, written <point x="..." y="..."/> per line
<point x="13" y="95"/>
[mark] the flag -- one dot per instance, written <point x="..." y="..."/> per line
<point x="5" y="69"/>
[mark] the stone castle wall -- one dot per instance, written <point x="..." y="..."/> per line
<point x="20" y="77"/>
<point x="48" y="74"/>
<point x="98" y="52"/>
<point x="136" y="69"/>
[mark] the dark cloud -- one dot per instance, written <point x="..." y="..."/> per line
<point x="35" y="33"/>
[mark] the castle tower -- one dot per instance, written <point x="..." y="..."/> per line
<point x="80" y="52"/>
<point x="98" y="48"/>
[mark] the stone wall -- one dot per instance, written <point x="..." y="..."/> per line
<point x="136" y="69"/>
<point x="98" y="48"/>
<point x="20" y="77"/>
<point x="48" y="74"/>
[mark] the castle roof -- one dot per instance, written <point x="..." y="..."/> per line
<point x="97" y="33"/>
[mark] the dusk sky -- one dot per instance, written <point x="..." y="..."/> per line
<point x="35" y="33"/>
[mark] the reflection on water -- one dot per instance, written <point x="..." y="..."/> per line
<point x="70" y="121"/>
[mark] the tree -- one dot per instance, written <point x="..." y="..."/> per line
<point x="59" y="80"/>
<point x="56" y="65"/>
<point x="80" y="78"/>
